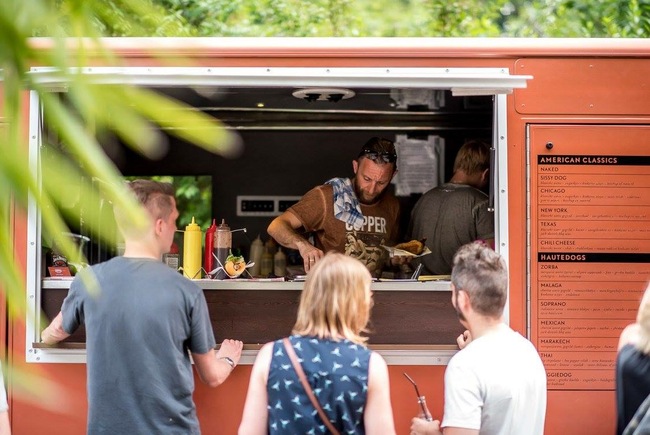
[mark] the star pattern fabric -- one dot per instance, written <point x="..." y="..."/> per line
<point x="337" y="372"/>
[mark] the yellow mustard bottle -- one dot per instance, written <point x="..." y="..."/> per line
<point x="192" y="250"/>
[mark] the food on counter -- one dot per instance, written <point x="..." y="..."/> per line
<point x="234" y="265"/>
<point x="413" y="246"/>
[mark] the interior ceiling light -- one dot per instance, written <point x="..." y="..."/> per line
<point x="323" y="94"/>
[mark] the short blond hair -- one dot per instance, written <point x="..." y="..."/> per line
<point x="155" y="196"/>
<point x="336" y="299"/>
<point x="473" y="157"/>
<point x="643" y="319"/>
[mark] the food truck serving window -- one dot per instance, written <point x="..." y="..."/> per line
<point x="265" y="105"/>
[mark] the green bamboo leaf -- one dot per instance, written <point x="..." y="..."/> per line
<point x="195" y="127"/>
<point x="13" y="165"/>
<point x="79" y="192"/>
<point x="75" y="125"/>
<point x="34" y="386"/>
<point x="12" y="282"/>
<point x="94" y="161"/>
<point x="124" y="120"/>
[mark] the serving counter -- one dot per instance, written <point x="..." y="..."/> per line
<point x="412" y="322"/>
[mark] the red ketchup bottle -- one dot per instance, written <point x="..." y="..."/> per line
<point x="208" y="258"/>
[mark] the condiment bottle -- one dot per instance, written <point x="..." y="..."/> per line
<point x="208" y="257"/>
<point x="267" y="263"/>
<point x="271" y="246"/>
<point x="172" y="258"/>
<point x="56" y="260"/>
<point x="192" y="250"/>
<point x="223" y="245"/>
<point x="279" y="263"/>
<point x="256" y="251"/>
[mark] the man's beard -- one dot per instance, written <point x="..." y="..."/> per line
<point x="357" y="192"/>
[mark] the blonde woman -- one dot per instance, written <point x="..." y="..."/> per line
<point x="633" y="365"/>
<point x="349" y="381"/>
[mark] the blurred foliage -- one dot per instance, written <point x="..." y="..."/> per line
<point x="406" y="18"/>
<point x="194" y="199"/>
<point x="75" y="169"/>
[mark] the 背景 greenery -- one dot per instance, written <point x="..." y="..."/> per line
<point x="413" y="18"/>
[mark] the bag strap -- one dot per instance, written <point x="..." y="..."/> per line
<point x="303" y="380"/>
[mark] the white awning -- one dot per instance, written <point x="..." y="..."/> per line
<point x="461" y="81"/>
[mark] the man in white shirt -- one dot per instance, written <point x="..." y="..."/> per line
<point x="496" y="384"/>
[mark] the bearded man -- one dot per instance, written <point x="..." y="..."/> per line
<point x="352" y="216"/>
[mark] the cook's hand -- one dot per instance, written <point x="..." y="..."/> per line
<point x="231" y="349"/>
<point x="398" y="260"/>
<point x="420" y="426"/>
<point x="464" y="339"/>
<point x="310" y="255"/>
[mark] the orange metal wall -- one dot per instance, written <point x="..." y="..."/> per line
<point x="566" y="73"/>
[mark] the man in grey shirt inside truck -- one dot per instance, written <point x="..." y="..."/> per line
<point x="455" y="213"/>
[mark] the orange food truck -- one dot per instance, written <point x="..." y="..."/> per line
<point x="569" y="125"/>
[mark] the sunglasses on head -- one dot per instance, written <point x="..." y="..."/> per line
<point x="385" y="156"/>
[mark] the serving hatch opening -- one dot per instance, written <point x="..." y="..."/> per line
<point x="293" y="142"/>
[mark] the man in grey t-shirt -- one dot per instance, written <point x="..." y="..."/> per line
<point x="141" y="326"/>
<point x="456" y="213"/>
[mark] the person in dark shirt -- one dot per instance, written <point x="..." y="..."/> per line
<point x="633" y="365"/>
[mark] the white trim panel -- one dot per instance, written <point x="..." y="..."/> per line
<point x="462" y="81"/>
<point x="501" y="240"/>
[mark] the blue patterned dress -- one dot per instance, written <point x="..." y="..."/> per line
<point x="338" y="374"/>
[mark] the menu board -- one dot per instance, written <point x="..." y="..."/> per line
<point x="590" y="251"/>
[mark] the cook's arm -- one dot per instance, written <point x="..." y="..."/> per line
<point x="283" y="230"/>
